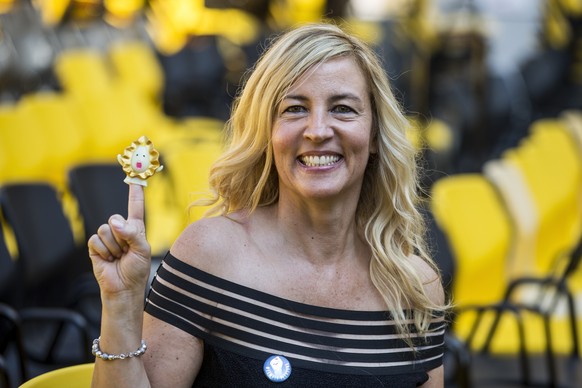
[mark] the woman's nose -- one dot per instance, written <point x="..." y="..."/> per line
<point x="318" y="127"/>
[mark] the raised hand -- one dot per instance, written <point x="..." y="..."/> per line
<point x="120" y="252"/>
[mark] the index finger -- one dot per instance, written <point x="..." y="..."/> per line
<point x="136" y="204"/>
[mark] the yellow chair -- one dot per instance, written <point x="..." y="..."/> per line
<point x="22" y="145"/>
<point x="518" y="199"/>
<point x="112" y="113"/>
<point x="135" y="64"/>
<point x="540" y="182"/>
<point x="573" y="121"/>
<point x="64" y="142"/>
<point x="76" y="376"/>
<point x="551" y="165"/>
<point x="187" y="149"/>
<point x="83" y="72"/>
<point x="473" y="218"/>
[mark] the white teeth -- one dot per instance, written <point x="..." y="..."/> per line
<point x="317" y="161"/>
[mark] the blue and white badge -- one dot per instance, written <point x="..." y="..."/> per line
<point x="277" y="368"/>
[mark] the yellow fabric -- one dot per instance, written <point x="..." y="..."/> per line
<point x="77" y="376"/>
<point x="478" y="229"/>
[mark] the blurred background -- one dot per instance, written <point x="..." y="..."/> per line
<point x="493" y="91"/>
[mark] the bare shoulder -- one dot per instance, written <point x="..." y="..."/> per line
<point x="430" y="279"/>
<point x="209" y="243"/>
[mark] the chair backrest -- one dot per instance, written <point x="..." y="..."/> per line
<point x="100" y="193"/>
<point x="10" y="273"/>
<point x="63" y="144"/>
<point x="23" y="151"/>
<point x="76" y="376"/>
<point x="12" y="350"/>
<point x="44" y="238"/>
<point x="551" y="165"/>
<point x="135" y="63"/>
<point x="472" y="216"/>
<point x="518" y="200"/>
<point x="191" y="183"/>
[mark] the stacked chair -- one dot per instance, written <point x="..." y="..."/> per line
<point x="59" y="180"/>
<point x="515" y="231"/>
<point x="48" y="290"/>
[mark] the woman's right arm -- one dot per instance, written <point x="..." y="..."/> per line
<point x="121" y="260"/>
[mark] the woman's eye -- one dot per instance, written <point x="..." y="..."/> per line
<point x="342" y="109"/>
<point x="294" y="109"/>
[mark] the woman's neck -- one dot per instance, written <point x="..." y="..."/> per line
<point x="322" y="235"/>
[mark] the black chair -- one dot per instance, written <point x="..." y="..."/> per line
<point x="13" y="363"/>
<point x="12" y="356"/>
<point x="100" y="192"/>
<point x="32" y="338"/>
<point x="52" y="280"/>
<point x="48" y="255"/>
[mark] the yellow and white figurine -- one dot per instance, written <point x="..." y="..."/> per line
<point x="140" y="161"/>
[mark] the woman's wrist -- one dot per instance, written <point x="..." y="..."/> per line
<point x="122" y="300"/>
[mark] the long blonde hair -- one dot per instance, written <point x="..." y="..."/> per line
<point x="244" y="177"/>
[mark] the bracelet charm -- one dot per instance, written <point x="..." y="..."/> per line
<point x="97" y="352"/>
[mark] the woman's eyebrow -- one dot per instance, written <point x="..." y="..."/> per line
<point x="333" y="98"/>
<point x="295" y="97"/>
<point x="345" y="96"/>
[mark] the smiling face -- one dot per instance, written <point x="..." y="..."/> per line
<point x="140" y="160"/>
<point x="322" y="132"/>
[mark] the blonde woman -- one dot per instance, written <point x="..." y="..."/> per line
<point x="313" y="271"/>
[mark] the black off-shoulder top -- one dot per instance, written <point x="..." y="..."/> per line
<point x="242" y="327"/>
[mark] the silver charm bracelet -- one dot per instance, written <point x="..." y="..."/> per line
<point x="109" y="357"/>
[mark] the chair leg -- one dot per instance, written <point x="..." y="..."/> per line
<point x="492" y="329"/>
<point x="550" y="359"/>
<point x="4" y="378"/>
<point x="523" y="358"/>
<point x="474" y="327"/>
<point x="573" y="325"/>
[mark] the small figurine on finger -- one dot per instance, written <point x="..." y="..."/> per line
<point x="140" y="161"/>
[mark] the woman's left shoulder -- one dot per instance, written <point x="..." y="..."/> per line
<point x="430" y="278"/>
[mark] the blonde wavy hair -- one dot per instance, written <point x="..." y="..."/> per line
<point x="244" y="177"/>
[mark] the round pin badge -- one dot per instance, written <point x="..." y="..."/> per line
<point x="277" y="368"/>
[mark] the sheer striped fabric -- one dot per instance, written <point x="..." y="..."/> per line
<point x="256" y="325"/>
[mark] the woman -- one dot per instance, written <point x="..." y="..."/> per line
<point x="314" y="271"/>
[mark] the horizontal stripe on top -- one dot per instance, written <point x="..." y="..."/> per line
<point x="255" y="324"/>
